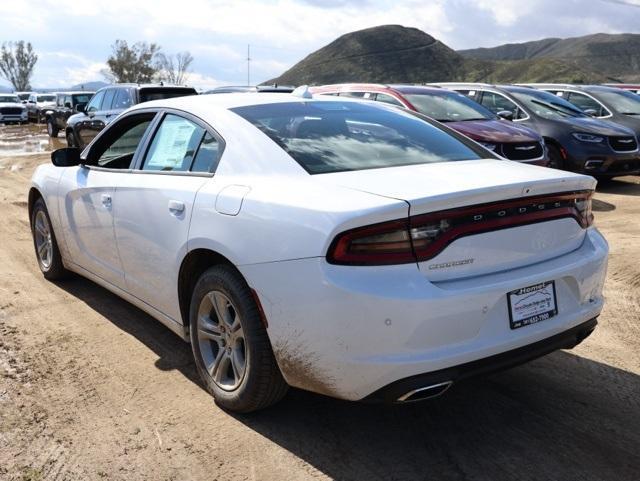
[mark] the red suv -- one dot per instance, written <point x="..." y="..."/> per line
<point x="510" y="141"/>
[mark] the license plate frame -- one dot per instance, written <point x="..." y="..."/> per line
<point x="532" y="304"/>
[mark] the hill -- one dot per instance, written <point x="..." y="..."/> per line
<point x="396" y="54"/>
<point x="616" y="57"/>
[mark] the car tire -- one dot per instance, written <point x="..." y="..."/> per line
<point x="52" y="130"/>
<point x="233" y="355"/>
<point x="45" y="244"/>
<point x="555" y="157"/>
<point x="70" y="140"/>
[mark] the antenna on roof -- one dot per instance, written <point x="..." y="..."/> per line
<point x="303" y="92"/>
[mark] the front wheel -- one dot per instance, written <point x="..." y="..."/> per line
<point x="230" y="344"/>
<point x="52" y="130"/>
<point x="44" y="241"/>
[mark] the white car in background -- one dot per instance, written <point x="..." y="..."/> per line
<point x="11" y="109"/>
<point x="338" y="246"/>
<point x="38" y="104"/>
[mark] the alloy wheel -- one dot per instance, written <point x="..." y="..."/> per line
<point x="221" y="340"/>
<point x="44" y="242"/>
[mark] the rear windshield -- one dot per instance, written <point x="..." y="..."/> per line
<point x="448" y="107"/>
<point x="146" y="95"/>
<point x="334" y="136"/>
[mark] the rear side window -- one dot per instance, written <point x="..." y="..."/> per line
<point x="122" y="99"/>
<point x="208" y="155"/>
<point x="388" y="99"/>
<point x="334" y="136"/>
<point x="174" y="145"/>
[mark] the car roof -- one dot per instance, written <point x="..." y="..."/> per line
<point x="145" y="86"/>
<point x="76" y="92"/>
<point x="227" y="101"/>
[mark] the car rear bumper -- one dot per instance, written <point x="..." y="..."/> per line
<point x="433" y="383"/>
<point x="350" y="331"/>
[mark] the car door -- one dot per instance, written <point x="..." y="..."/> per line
<point x="86" y="198"/>
<point x="153" y="205"/>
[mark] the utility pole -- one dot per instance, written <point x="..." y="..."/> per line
<point x="248" y="65"/>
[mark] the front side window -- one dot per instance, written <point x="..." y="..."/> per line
<point x="46" y="98"/>
<point x="108" y="99"/>
<point x="388" y="99"/>
<point x="498" y="103"/>
<point x="584" y="102"/>
<point x="94" y="105"/>
<point x="333" y="136"/>
<point x="174" y="145"/>
<point x="448" y="107"/>
<point x="116" y="149"/>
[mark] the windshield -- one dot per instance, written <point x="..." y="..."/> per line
<point x="328" y="136"/>
<point x="82" y="98"/>
<point x="24" y="96"/>
<point x="623" y="102"/>
<point x="547" y="105"/>
<point x="9" y="99"/>
<point x="46" y="98"/>
<point x="447" y="107"/>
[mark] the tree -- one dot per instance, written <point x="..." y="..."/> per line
<point x="174" y="68"/>
<point x="17" y="61"/>
<point x="137" y="63"/>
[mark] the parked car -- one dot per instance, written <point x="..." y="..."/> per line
<point x="635" y="88"/>
<point x="37" y="104"/>
<point x="24" y="96"/>
<point x="11" y="109"/>
<point x="284" y="89"/>
<point x="575" y="141"/>
<point x="348" y="248"/>
<point x="67" y="104"/>
<point x="608" y="103"/>
<point x="110" y="101"/>
<point x="514" y="142"/>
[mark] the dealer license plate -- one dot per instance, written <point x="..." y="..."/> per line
<point x="532" y="304"/>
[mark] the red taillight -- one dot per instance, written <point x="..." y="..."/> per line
<point x="422" y="237"/>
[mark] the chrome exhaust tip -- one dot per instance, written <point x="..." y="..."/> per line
<point x="426" y="392"/>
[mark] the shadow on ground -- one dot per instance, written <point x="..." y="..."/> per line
<point x="629" y="185"/>
<point x="562" y="417"/>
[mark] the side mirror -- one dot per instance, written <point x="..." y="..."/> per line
<point x="67" y="157"/>
<point x="591" y="112"/>
<point x="67" y="105"/>
<point x="32" y="101"/>
<point x="81" y="107"/>
<point x="505" y="114"/>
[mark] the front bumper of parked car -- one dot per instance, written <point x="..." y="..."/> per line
<point x="601" y="160"/>
<point x="360" y="332"/>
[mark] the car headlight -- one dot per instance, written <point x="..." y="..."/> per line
<point x="594" y="139"/>
<point x="488" y="145"/>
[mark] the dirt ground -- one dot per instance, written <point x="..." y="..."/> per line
<point x="92" y="388"/>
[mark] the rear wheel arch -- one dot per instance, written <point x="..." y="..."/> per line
<point x="194" y="264"/>
<point x="34" y="195"/>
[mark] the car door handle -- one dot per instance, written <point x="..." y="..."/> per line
<point x="176" y="207"/>
<point x="106" y="200"/>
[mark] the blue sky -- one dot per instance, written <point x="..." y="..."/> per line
<point x="73" y="38"/>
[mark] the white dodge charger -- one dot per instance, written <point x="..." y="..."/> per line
<point x="338" y="246"/>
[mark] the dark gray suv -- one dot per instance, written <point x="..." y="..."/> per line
<point x="109" y="101"/>
<point x="575" y="140"/>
